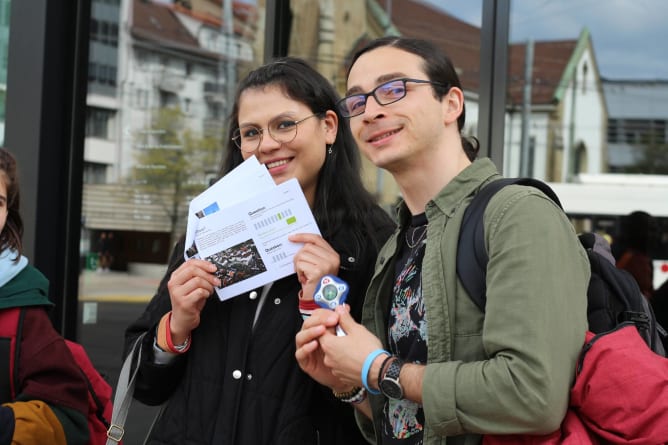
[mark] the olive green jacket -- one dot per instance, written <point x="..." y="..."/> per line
<point x="509" y="370"/>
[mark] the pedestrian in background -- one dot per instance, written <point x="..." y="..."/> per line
<point x="227" y="369"/>
<point x="103" y="253"/>
<point x="635" y="242"/>
<point x="49" y="403"/>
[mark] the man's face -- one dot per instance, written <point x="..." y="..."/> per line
<point x="402" y="134"/>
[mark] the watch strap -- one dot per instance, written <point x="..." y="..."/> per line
<point x="383" y="368"/>
<point x="390" y="379"/>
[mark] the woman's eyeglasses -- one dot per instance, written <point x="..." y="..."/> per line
<point x="249" y="137"/>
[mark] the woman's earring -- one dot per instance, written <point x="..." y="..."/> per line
<point x="329" y="149"/>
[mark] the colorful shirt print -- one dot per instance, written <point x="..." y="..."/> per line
<point x="403" y="420"/>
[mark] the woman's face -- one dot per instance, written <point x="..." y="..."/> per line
<point x="3" y="200"/>
<point x="301" y="157"/>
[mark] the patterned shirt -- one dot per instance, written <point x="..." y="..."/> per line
<point x="403" y="420"/>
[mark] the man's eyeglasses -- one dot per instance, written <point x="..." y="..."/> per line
<point x="384" y="94"/>
<point x="249" y="137"/>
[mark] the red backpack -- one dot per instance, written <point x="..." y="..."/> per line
<point x="620" y="396"/>
<point x="99" y="391"/>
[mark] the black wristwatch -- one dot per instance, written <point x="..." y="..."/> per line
<point x="389" y="384"/>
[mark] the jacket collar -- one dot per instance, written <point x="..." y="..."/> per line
<point x="28" y="288"/>
<point x="466" y="183"/>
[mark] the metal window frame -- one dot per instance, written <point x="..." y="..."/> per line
<point x="45" y="119"/>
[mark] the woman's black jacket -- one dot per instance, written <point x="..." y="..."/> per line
<point x="240" y="384"/>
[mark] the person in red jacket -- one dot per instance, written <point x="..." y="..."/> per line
<point x="49" y="403"/>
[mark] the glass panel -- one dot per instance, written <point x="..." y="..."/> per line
<point x="4" y="45"/>
<point x="159" y="91"/>
<point x="160" y="80"/>
<point x="588" y="111"/>
<point x="327" y="33"/>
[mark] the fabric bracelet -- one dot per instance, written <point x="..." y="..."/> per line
<point x="176" y="349"/>
<point x="367" y="365"/>
<point x="306" y="306"/>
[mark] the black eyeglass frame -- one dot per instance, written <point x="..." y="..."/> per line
<point x="343" y="109"/>
<point x="236" y="134"/>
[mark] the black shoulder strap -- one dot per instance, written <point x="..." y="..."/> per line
<point x="471" y="252"/>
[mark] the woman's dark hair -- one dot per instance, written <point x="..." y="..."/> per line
<point x="12" y="233"/>
<point x="340" y="197"/>
<point x="438" y="67"/>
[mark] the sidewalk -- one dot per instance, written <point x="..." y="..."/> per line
<point x="116" y="300"/>
<point x="116" y="287"/>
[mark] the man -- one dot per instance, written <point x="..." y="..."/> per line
<point x="436" y="369"/>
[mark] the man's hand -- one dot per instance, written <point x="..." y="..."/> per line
<point x="345" y="355"/>
<point x="310" y="356"/>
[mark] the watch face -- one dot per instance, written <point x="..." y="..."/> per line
<point x="390" y="385"/>
<point x="391" y="388"/>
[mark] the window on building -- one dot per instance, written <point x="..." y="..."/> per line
<point x="168" y="100"/>
<point x="94" y="173"/>
<point x="94" y="30"/>
<point x="613" y="130"/>
<point x="585" y="79"/>
<point x="99" y="123"/>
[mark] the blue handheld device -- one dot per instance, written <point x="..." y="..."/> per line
<point x="330" y="293"/>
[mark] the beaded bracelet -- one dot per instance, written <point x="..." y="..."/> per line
<point x="357" y="398"/>
<point x="346" y="394"/>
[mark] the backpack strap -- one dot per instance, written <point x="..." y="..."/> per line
<point x="11" y="326"/>
<point x="472" y="256"/>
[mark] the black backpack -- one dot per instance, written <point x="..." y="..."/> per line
<point x="613" y="295"/>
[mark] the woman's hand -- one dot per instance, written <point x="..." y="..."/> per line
<point x="189" y="287"/>
<point x="313" y="261"/>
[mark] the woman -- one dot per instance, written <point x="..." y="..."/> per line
<point x="47" y="402"/>
<point x="238" y="382"/>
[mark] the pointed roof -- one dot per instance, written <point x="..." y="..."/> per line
<point x="461" y="42"/>
<point x="157" y="22"/>
<point x="550" y="61"/>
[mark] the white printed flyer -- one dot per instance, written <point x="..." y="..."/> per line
<point x="248" y="241"/>
<point x="246" y="180"/>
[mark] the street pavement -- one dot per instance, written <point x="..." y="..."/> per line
<point x="115" y="286"/>
<point x="108" y="303"/>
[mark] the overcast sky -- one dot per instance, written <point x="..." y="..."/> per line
<point x="630" y="37"/>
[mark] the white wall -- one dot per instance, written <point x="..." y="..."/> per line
<point x="588" y="112"/>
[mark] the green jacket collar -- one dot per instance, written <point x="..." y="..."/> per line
<point x="452" y="195"/>
<point x="28" y="288"/>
